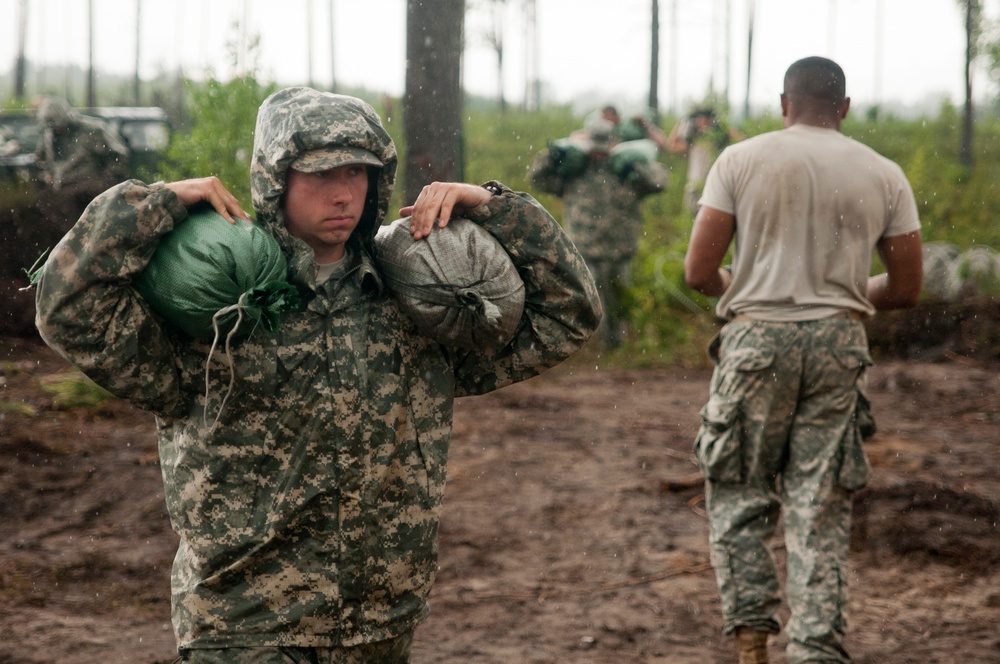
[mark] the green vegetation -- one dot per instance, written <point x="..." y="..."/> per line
<point x="220" y="138"/>
<point x="71" y="389"/>
<point x="17" y="408"/>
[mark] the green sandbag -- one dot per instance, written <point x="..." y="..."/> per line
<point x="207" y="266"/>
<point x="631" y="130"/>
<point x="570" y="157"/>
<point x="626" y="156"/>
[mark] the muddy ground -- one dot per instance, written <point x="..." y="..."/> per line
<point x="573" y="528"/>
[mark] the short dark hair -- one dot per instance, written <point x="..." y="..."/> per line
<point x="816" y="77"/>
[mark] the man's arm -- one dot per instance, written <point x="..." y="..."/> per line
<point x="710" y="237"/>
<point x="675" y="141"/>
<point x="899" y="286"/>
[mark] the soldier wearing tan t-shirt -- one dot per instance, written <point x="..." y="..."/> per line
<point x="781" y="433"/>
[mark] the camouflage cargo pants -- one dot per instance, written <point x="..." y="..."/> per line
<point x="611" y="276"/>
<point x="780" y="436"/>
<point x="392" y="651"/>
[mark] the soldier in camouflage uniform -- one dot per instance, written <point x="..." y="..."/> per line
<point x="782" y="430"/>
<point x="602" y="209"/>
<point x="79" y="157"/>
<point x="308" y="516"/>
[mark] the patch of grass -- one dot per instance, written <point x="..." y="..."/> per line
<point x="71" y="389"/>
<point x="18" y="408"/>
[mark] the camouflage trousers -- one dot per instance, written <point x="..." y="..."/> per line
<point x="781" y="436"/>
<point x="611" y="276"/>
<point x="391" y="651"/>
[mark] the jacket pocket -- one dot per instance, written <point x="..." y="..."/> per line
<point x="718" y="447"/>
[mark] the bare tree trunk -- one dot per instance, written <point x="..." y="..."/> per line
<point x="19" y="64"/>
<point x="967" y="123"/>
<point x="138" y="42"/>
<point x="309" y="43"/>
<point x="432" y="101"/>
<point x="91" y="94"/>
<point x="333" y="60"/>
<point x="654" y="64"/>
<point x="746" y="99"/>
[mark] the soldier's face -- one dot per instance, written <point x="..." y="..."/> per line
<point x="324" y="208"/>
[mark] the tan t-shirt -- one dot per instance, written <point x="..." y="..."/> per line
<point x="810" y="206"/>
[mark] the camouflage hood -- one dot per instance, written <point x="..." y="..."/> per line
<point x="297" y="120"/>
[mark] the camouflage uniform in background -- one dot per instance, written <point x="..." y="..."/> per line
<point x="79" y="157"/>
<point x="602" y="214"/>
<point x="802" y="210"/>
<point x="308" y="517"/>
<point x="773" y="378"/>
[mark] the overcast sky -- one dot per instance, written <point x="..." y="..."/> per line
<point x="892" y="50"/>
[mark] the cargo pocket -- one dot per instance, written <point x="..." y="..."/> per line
<point x="863" y="417"/>
<point x="718" y="447"/>
<point x="854" y="467"/>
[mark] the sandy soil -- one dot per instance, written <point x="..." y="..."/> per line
<point x="573" y="528"/>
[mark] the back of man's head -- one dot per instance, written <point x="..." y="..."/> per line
<point x="816" y="78"/>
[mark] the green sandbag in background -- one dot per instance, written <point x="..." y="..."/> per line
<point x="629" y="154"/>
<point x="570" y="156"/>
<point x="207" y="266"/>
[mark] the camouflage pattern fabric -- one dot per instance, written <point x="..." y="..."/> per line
<point x="781" y="435"/>
<point x="308" y="516"/>
<point x="392" y="651"/>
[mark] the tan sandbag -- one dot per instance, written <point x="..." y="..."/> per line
<point x="457" y="285"/>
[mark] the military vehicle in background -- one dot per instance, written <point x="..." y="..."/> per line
<point x="145" y="130"/>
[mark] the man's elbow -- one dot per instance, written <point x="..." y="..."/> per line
<point x="697" y="279"/>
<point x="908" y="299"/>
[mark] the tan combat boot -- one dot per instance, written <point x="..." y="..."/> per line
<point x="751" y="645"/>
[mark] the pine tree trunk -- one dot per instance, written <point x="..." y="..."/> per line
<point x="432" y="102"/>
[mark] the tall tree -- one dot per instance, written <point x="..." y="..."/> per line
<point x="746" y="99"/>
<point x="973" y="23"/>
<point x="19" y="64"/>
<point x="654" y="64"/>
<point x="494" y="37"/>
<point x="432" y="100"/>
<point x="333" y="60"/>
<point x="138" y="43"/>
<point x="91" y="91"/>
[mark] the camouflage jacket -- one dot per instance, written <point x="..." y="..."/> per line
<point x="309" y="515"/>
<point x="602" y="209"/>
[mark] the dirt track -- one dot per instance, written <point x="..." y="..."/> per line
<point x="573" y="529"/>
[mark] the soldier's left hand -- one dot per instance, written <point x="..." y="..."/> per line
<point x="438" y="201"/>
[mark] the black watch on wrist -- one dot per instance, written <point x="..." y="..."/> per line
<point x="493" y="188"/>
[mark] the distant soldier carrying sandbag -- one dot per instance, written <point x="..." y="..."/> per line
<point x="308" y="512"/>
<point x="602" y="181"/>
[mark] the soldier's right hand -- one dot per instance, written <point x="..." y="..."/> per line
<point x="210" y="190"/>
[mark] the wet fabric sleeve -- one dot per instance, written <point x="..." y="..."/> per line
<point x="561" y="306"/>
<point x="87" y="309"/>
